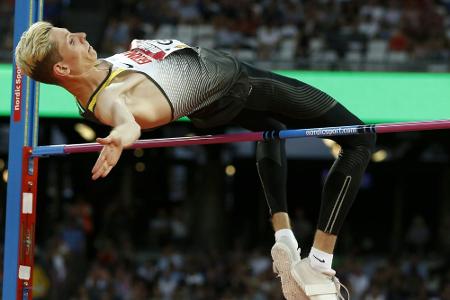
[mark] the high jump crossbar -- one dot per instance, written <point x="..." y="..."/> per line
<point x="323" y="132"/>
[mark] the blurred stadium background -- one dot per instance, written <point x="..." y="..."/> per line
<point x="192" y="223"/>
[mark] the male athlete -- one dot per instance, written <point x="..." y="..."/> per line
<point x="158" y="81"/>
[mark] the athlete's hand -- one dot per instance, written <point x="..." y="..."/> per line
<point x="110" y="154"/>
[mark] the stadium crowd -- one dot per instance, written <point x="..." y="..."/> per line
<point x="328" y="34"/>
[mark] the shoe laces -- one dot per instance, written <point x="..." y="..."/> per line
<point x="339" y="285"/>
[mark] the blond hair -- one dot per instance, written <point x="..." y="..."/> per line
<point x="36" y="53"/>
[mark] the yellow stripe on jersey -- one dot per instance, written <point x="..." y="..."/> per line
<point x="93" y="101"/>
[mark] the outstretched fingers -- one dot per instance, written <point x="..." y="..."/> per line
<point x="103" y="165"/>
<point x="107" y="159"/>
<point x="99" y="163"/>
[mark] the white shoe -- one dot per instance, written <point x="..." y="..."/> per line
<point x="316" y="285"/>
<point x="285" y="256"/>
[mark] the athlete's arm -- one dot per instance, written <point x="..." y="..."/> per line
<point x="124" y="133"/>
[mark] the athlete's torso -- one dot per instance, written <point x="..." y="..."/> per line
<point x="168" y="75"/>
<point x="143" y="98"/>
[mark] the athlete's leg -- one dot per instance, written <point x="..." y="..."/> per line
<point x="344" y="178"/>
<point x="272" y="170"/>
<point x="339" y="192"/>
<point x="297" y="105"/>
<point x="271" y="164"/>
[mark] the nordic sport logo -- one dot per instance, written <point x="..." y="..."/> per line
<point x="331" y="131"/>
<point x="17" y="95"/>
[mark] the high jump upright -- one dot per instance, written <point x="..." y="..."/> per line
<point x="22" y="169"/>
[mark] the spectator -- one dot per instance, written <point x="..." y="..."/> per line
<point x="398" y="41"/>
<point x="268" y="38"/>
<point x="418" y="235"/>
<point x="358" y="279"/>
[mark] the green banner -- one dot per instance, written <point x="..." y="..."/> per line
<point x="375" y="97"/>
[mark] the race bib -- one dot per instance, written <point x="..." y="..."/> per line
<point x="145" y="51"/>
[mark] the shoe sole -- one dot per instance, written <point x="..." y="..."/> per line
<point x="281" y="259"/>
<point x="330" y="295"/>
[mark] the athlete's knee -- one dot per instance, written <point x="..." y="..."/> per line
<point x="359" y="150"/>
<point x="270" y="150"/>
<point x="357" y="155"/>
<point x="363" y="143"/>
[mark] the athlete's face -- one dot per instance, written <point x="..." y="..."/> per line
<point x="78" y="56"/>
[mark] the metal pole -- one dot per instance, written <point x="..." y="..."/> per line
<point x="22" y="133"/>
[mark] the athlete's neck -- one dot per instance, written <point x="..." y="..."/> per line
<point x="83" y="86"/>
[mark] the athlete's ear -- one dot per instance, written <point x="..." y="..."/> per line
<point x="61" y="69"/>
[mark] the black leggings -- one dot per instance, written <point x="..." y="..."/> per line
<point x="277" y="102"/>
